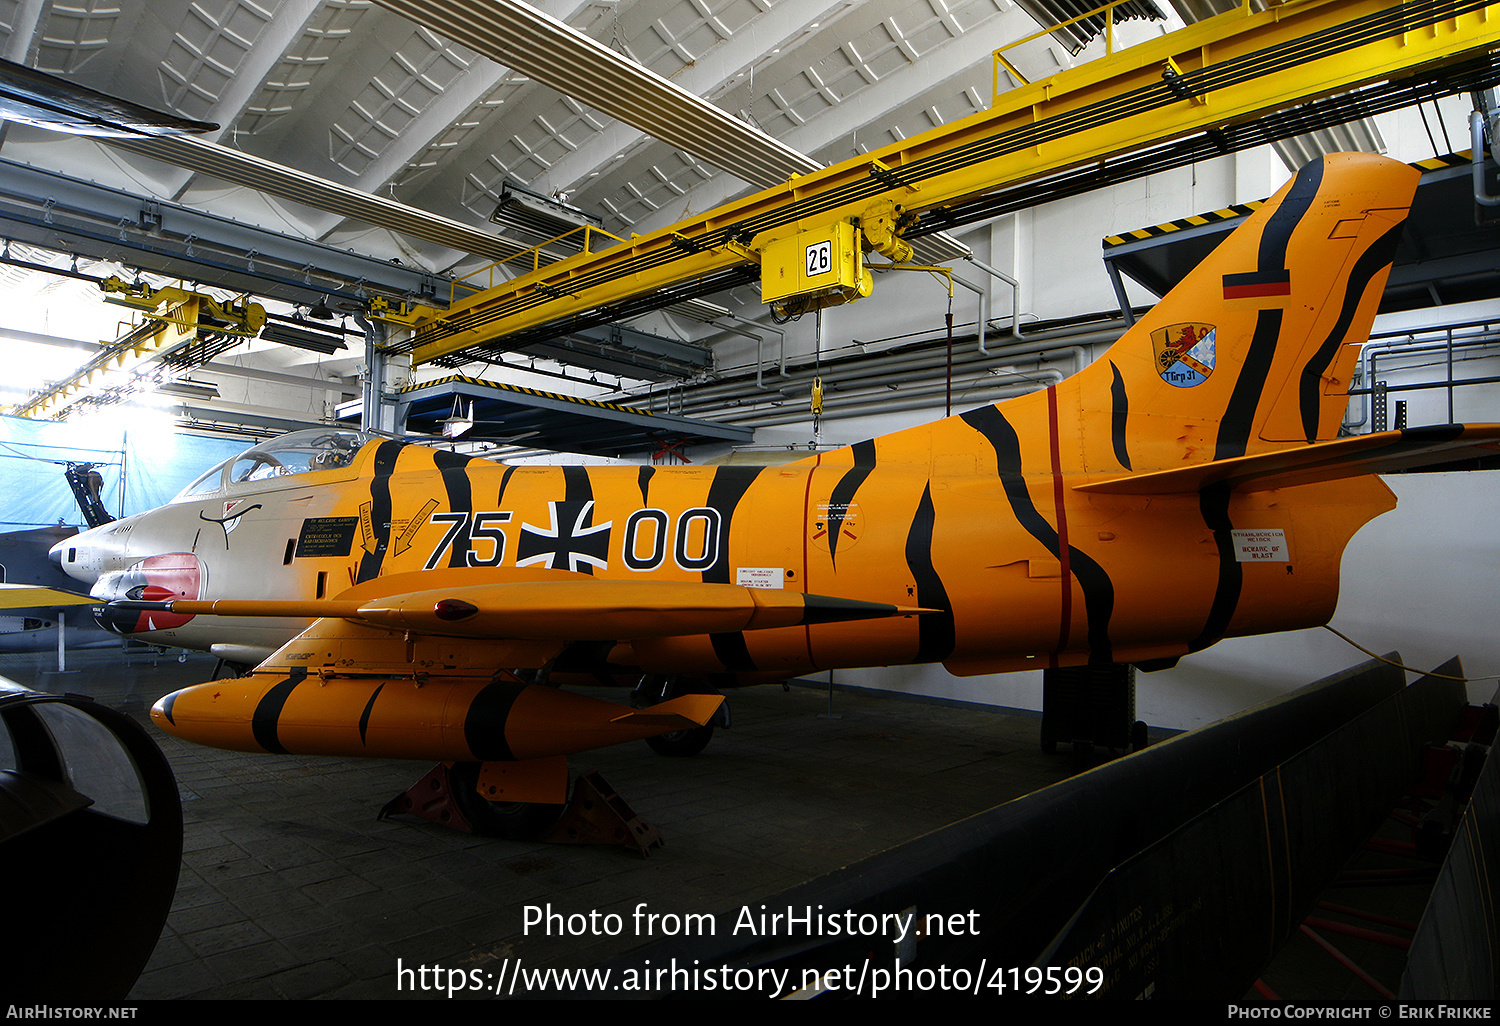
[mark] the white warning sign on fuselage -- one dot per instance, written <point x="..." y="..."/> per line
<point x="759" y="576"/>
<point x="1261" y="545"/>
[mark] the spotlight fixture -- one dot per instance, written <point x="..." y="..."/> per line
<point x="534" y="217"/>
<point x="189" y="389"/>
<point x="302" y="338"/>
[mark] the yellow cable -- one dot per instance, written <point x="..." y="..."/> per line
<point x="1403" y="666"/>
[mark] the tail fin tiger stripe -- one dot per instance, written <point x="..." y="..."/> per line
<point x="1271" y="277"/>
<point x="731" y="649"/>
<point x="380" y="509"/>
<point x="484" y="721"/>
<point x="1059" y="494"/>
<point x="1239" y="415"/>
<point x="364" y="717"/>
<point x="1120" y="416"/>
<point x="845" y="490"/>
<point x="1213" y="502"/>
<point x="725" y="491"/>
<point x="1370" y="264"/>
<point x="504" y="480"/>
<point x="936" y="635"/>
<point x="460" y="500"/>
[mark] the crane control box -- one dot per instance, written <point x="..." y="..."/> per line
<point x="825" y="263"/>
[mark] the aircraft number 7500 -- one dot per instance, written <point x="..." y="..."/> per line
<point x="694" y="538"/>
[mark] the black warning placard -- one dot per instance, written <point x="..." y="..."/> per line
<point x="327" y="536"/>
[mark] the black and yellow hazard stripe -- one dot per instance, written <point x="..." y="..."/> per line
<point x="1239" y="210"/>
<point x="1156" y="231"/>
<point x="528" y="391"/>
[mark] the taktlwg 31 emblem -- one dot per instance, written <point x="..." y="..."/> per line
<point x="1184" y="353"/>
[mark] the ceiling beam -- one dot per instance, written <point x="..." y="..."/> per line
<point x="57" y="212"/>
<point x="240" y="168"/>
<point x="559" y="56"/>
<point x="271" y="46"/>
<point x="556" y="55"/>
<point x="867" y="113"/>
<point x="716" y="68"/>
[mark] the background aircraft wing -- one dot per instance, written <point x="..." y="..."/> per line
<point x="27" y="596"/>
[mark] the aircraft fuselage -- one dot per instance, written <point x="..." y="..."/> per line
<point x="1025" y="571"/>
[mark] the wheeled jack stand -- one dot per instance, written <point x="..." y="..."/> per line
<point x="1087" y="706"/>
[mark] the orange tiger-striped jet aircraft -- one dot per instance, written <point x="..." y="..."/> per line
<point x="1189" y="486"/>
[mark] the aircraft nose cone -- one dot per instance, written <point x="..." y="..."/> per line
<point x="55" y="554"/>
<point x="161" y="712"/>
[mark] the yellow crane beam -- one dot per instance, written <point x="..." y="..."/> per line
<point x="173" y="317"/>
<point x="1235" y="66"/>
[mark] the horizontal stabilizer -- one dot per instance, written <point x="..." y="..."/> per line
<point x="1380" y="453"/>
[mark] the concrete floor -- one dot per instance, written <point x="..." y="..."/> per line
<point x="291" y="888"/>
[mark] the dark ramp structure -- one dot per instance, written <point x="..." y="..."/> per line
<point x="1175" y="872"/>
<point x="90" y="847"/>
<point x="1455" y="955"/>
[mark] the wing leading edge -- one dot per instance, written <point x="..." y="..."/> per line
<point x="563" y="608"/>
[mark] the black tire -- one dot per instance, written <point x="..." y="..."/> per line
<point x="682" y="742"/>
<point x="1138" y="738"/>
<point x="513" y="821"/>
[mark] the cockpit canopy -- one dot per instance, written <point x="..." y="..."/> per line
<point x="300" y="452"/>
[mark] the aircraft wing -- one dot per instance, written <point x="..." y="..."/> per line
<point x="550" y="606"/>
<point x="29" y="596"/>
<point x="413" y="665"/>
<point x="1379" y="453"/>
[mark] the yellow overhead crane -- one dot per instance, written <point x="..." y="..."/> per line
<point x="1231" y="68"/>
<point x="174" y="317"/>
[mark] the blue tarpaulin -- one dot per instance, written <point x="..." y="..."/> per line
<point x="142" y="468"/>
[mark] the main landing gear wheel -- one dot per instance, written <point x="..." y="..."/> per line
<point x="682" y="742"/>
<point x="654" y="688"/>
<point x="1138" y="738"/>
<point x="513" y="821"/>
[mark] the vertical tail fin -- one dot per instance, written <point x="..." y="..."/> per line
<point x="1253" y="350"/>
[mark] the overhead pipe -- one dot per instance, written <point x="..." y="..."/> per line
<point x="1476" y="160"/>
<point x="908" y="390"/>
<point x="1015" y="306"/>
<point x="759" y="343"/>
<point x="1039" y="344"/>
<point x="1070" y="335"/>
<point x="837" y="412"/>
<point x="909" y="396"/>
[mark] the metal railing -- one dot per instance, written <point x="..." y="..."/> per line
<point x="1444" y="339"/>
<point x="535" y="253"/>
